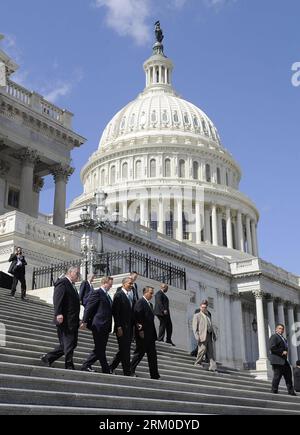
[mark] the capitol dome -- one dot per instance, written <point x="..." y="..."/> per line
<point x="161" y="162"/>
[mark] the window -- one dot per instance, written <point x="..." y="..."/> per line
<point x="224" y="232"/>
<point x="152" y="168"/>
<point x="218" y="176"/>
<point x="167" y="168"/>
<point x="153" y="117"/>
<point x="165" y="117"/>
<point x="102" y="177"/>
<point x="138" y="169"/>
<point x="170" y="224"/>
<point x="123" y="123"/>
<point x="181" y="169"/>
<point x="113" y="175"/>
<point x="186" y="234"/>
<point x="175" y="117"/>
<point x="196" y="123"/>
<point x="227" y="179"/>
<point x="125" y="171"/>
<point x="13" y="197"/>
<point x="153" y="221"/>
<point x="195" y="170"/>
<point x="208" y="173"/>
<point x="132" y="120"/>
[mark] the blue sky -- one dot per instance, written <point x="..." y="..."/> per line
<point x="232" y="58"/>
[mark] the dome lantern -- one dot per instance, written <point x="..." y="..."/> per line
<point x="158" y="67"/>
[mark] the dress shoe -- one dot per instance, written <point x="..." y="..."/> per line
<point x="45" y="360"/>
<point x="155" y="377"/>
<point x="25" y="299"/>
<point x="292" y="393"/>
<point x="70" y="368"/>
<point x="88" y="369"/>
<point x="274" y="391"/>
<point x="171" y="342"/>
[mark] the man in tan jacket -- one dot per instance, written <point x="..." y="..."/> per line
<point x="205" y="336"/>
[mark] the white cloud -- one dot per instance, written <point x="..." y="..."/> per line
<point x="62" y="88"/>
<point x="128" y="18"/>
<point x="217" y="4"/>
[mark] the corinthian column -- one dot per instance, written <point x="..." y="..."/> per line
<point x="214" y="225"/>
<point x="254" y="238"/>
<point x="229" y="228"/>
<point x="271" y="317"/>
<point x="293" y="354"/>
<point x="61" y="175"/>
<point x="28" y="159"/>
<point x="240" y="235"/>
<point x="38" y="184"/>
<point x="261" y="364"/>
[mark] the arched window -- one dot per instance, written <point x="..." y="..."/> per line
<point x="153" y="220"/>
<point x="138" y="169"/>
<point x="227" y="179"/>
<point x="175" y="117"/>
<point x="112" y="175"/>
<point x="218" y="176"/>
<point x="102" y="177"/>
<point x="181" y="168"/>
<point x="125" y="171"/>
<point x="195" y="170"/>
<point x="152" y="168"/>
<point x="170" y="224"/>
<point x="167" y="168"/>
<point x="208" y="173"/>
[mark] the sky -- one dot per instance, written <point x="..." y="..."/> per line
<point x="233" y="58"/>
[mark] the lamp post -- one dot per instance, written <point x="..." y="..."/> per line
<point x="95" y="217"/>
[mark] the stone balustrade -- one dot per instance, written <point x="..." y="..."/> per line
<point x="39" y="231"/>
<point x="38" y="104"/>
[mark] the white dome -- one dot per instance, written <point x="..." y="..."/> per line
<point x="159" y="111"/>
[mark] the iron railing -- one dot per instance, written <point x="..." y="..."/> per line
<point x="114" y="263"/>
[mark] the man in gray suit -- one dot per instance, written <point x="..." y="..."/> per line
<point x="205" y="336"/>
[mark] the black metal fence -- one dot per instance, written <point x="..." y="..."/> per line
<point x="114" y="263"/>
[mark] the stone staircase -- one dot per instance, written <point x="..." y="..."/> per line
<point x="27" y="387"/>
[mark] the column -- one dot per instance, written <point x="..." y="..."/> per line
<point x="143" y="212"/>
<point x="220" y="227"/>
<point x="222" y="328"/>
<point x="240" y="232"/>
<point x="38" y="184"/>
<point x="271" y="316"/>
<point x="28" y="159"/>
<point x="4" y="169"/>
<point x="198" y="222"/>
<point x="239" y="351"/>
<point x="207" y="229"/>
<point x="228" y="327"/>
<point x="161" y="220"/>
<point x="166" y="75"/>
<point x="248" y="232"/>
<point x="179" y="220"/>
<point x="254" y="238"/>
<point x="229" y="228"/>
<point x="214" y="225"/>
<point x="61" y="175"/>
<point x="261" y="364"/>
<point x="293" y="354"/>
<point x="298" y="321"/>
<point x="280" y="307"/>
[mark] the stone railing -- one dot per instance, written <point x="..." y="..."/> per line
<point x="36" y="102"/>
<point x="41" y="232"/>
<point x="258" y="265"/>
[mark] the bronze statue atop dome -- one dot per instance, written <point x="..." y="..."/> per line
<point x="158" y="32"/>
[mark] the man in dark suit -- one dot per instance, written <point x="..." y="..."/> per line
<point x="66" y="317"/>
<point x="133" y="294"/>
<point x="17" y="269"/>
<point x="98" y="317"/>
<point x="122" y="310"/>
<point x="279" y="359"/>
<point x="86" y="289"/>
<point x="162" y="311"/>
<point x="145" y="333"/>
